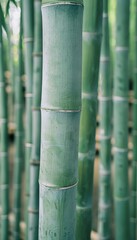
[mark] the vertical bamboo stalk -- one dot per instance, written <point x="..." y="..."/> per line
<point x="105" y="105"/>
<point x="28" y="42"/>
<point x="36" y="125"/>
<point x="18" y="140"/>
<point x="92" y="29"/>
<point x="60" y="108"/>
<point x="133" y="215"/>
<point x="121" y="194"/>
<point x="3" y="149"/>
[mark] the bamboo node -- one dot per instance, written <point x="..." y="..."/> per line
<point x="28" y="95"/>
<point x="89" y="155"/>
<point x="39" y="54"/>
<point x="121" y="99"/>
<point x="27" y="40"/>
<point x="34" y="211"/>
<point x="104" y="59"/>
<point x="28" y="145"/>
<point x="122" y="199"/>
<point x="61" y="110"/>
<point x="35" y="162"/>
<point x="61" y="3"/>
<point x="122" y="150"/>
<point x="57" y="188"/>
<point x="104" y="206"/>
<point x="88" y="96"/>
<point x="120" y="48"/>
<point x="105" y="15"/>
<point x="101" y="137"/>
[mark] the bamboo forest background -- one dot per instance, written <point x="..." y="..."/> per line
<point x="68" y="119"/>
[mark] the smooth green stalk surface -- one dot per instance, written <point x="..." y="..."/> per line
<point x="28" y="24"/>
<point x="61" y="104"/>
<point x="4" y="165"/>
<point x="36" y="125"/>
<point x="92" y="28"/>
<point x="19" y="144"/>
<point x="105" y="105"/>
<point x="133" y="215"/>
<point x="121" y="194"/>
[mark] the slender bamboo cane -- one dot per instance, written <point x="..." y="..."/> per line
<point x="105" y="105"/>
<point x="61" y="104"/>
<point x="28" y="42"/>
<point x="133" y="219"/>
<point x="36" y="125"/>
<point x="92" y="29"/>
<point x="121" y="194"/>
<point x="18" y="141"/>
<point x="3" y="149"/>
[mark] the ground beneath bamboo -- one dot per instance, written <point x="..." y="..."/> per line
<point x="95" y="196"/>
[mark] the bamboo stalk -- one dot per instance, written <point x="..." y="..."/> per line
<point x="121" y="194"/>
<point x="60" y="108"/>
<point x="36" y="125"/>
<point x="105" y="106"/>
<point x="133" y="214"/>
<point x="28" y="42"/>
<point x="92" y="28"/>
<point x="4" y="165"/>
<point x="19" y="147"/>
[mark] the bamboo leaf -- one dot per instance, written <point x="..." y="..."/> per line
<point x="2" y="19"/>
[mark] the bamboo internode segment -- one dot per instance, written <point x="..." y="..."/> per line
<point x="121" y="84"/>
<point x="60" y="112"/>
<point x="92" y="33"/>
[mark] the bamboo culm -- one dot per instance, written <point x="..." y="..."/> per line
<point x="60" y="108"/>
<point x="92" y="31"/>
<point x="19" y="140"/>
<point x="133" y="214"/>
<point x="36" y="125"/>
<point x="105" y="106"/>
<point x="4" y="165"/>
<point x="28" y="23"/>
<point x="121" y="194"/>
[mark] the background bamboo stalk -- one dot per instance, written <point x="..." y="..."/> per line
<point x="4" y="173"/>
<point x="61" y="104"/>
<point x="28" y="24"/>
<point x="19" y="140"/>
<point x="36" y="124"/>
<point x="121" y="84"/>
<point x="133" y="215"/>
<point x="92" y="28"/>
<point x="105" y="106"/>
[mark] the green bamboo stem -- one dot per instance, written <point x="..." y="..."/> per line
<point x="133" y="214"/>
<point x="105" y="105"/>
<point x="60" y="108"/>
<point x="18" y="141"/>
<point x="121" y="194"/>
<point x="3" y="149"/>
<point x="28" y="42"/>
<point x="92" y="28"/>
<point x="36" y="125"/>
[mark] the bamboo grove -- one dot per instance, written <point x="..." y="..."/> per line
<point x="68" y="120"/>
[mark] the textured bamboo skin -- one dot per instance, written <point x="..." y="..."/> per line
<point x="3" y="150"/>
<point x="36" y="125"/>
<point x="60" y="109"/>
<point x="133" y="214"/>
<point x="105" y="105"/>
<point x="28" y="42"/>
<point x="91" y="51"/>
<point x="19" y="140"/>
<point x="121" y="194"/>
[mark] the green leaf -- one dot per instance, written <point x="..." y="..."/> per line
<point x="8" y="5"/>
<point x="2" y="19"/>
